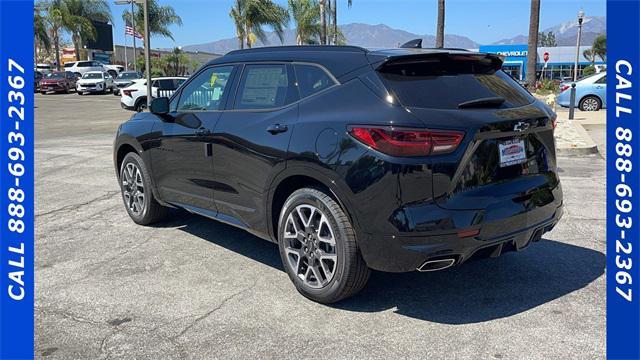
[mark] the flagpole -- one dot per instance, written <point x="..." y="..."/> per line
<point x="126" y="62"/>
<point x="133" y="25"/>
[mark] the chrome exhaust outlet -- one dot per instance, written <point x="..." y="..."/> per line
<point x="435" y="265"/>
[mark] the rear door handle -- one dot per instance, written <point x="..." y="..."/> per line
<point x="277" y="128"/>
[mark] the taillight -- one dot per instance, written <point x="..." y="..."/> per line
<point x="554" y="120"/>
<point x="128" y="92"/>
<point x="407" y="142"/>
<point x="564" y="87"/>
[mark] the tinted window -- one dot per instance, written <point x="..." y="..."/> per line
<point x="68" y="65"/>
<point x="70" y="75"/>
<point x="91" y="75"/>
<point x="128" y="75"/>
<point x="206" y="91"/>
<point x="84" y="64"/>
<point x="167" y="84"/>
<point x="446" y="82"/>
<point x="265" y="87"/>
<point x="312" y="79"/>
<point x="55" y="75"/>
<point x="602" y="80"/>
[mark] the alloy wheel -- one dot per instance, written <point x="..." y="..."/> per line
<point x="590" y="104"/>
<point x="310" y="246"/>
<point x="133" y="188"/>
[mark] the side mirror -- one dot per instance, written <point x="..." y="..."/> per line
<point x="160" y="106"/>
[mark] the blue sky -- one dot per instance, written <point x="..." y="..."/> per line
<point x="484" y="21"/>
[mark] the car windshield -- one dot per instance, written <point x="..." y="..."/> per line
<point x="56" y="75"/>
<point x="128" y="75"/>
<point x="92" y="76"/>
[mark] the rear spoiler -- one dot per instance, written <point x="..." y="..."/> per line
<point x="432" y="55"/>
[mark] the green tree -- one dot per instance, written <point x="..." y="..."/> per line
<point x="41" y="39"/>
<point x="440" y="25"/>
<point x="176" y="63"/>
<point x="590" y="55"/>
<point x="534" y="25"/>
<point x="55" y="21"/>
<point x="160" y="19"/>
<point x="77" y="17"/>
<point x="250" y="16"/>
<point x="306" y="15"/>
<point x="600" y="47"/>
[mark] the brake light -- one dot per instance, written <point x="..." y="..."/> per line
<point x="407" y="142"/>
<point x="128" y="92"/>
<point x="554" y="120"/>
<point x="564" y="88"/>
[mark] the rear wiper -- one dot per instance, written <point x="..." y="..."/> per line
<point x="483" y="102"/>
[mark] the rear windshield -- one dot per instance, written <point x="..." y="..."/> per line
<point x="445" y="83"/>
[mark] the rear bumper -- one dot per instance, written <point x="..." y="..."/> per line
<point x="127" y="107"/>
<point x="403" y="253"/>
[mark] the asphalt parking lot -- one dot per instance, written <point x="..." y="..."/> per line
<point x="192" y="288"/>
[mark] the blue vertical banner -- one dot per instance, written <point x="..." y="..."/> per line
<point x="623" y="179"/>
<point x="16" y="179"/>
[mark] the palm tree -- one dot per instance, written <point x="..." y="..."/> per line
<point x="323" y="22"/>
<point x="599" y="47"/>
<point x="534" y="24"/>
<point x="336" y="33"/>
<point x="54" y="19"/>
<point x="590" y="55"/>
<point x="440" y="25"/>
<point x="41" y="39"/>
<point x="78" y="17"/>
<point x="250" y="16"/>
<point x="160" y="19"/>
<point x="306" y="15"/>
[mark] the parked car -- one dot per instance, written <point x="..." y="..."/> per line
<point x="591" y="93"/>
<point x="37" y="76"/>
<point x="113" y="70"/>
<point x="125" y="79"/>
<point x="134" y="96"/>
<point x="350" y="159"/>
<point x="81" y="67"/>
<point x="58" y="81"/>
<point x="95" y="81"/>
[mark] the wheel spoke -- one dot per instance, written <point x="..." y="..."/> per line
<point x="310" y="246"/>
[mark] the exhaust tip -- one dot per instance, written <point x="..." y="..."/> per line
<point x="435" y="265"/>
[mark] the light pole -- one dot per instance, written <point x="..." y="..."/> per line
<point x="133" y="25"/>
<point x="147" y="51"/>
<point x="572" y="103"/>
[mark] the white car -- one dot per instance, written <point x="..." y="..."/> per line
<point x="113" y="70"/>
<point x="95" y="81"/>
<point x="134" y="96"/>
<point x="81" y="67"/>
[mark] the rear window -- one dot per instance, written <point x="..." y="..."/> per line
<point x="445" y="82"/>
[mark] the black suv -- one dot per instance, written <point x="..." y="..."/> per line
<point x="349" y="159"/>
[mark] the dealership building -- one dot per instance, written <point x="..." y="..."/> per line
<point x="560" y="65"/>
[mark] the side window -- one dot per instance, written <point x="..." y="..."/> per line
<point x="206" y="91"/>
<point x="312" y="79"/>
<point x="84" y="64"/>
<point x="602" y="80"/>
<point x="265" y="87"/>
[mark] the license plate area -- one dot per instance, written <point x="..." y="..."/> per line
<point x="512" y="152"/>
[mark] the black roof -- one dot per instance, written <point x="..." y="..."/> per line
<point x="340" y="60"/>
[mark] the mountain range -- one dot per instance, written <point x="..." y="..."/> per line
<point x="381" y="35"/>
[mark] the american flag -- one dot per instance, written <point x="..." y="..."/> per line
<point x="128" y="30"/>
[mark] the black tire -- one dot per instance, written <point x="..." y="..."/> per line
<point x="350" y="270"/>
<point x="151" y="211"/>
<point x="43" y="92"/>
<point x="590" y="103"/>
<point x="141" y="105"/>
<point x="79" y="92"/>
<point x="66" y="90"/>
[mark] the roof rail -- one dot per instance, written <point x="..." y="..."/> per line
<point x="299" y="48"/>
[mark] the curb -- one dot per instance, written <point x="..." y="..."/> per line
<point x="590" y="149"/>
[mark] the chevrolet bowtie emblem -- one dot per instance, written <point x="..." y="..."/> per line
<point x="521" y="126"/>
